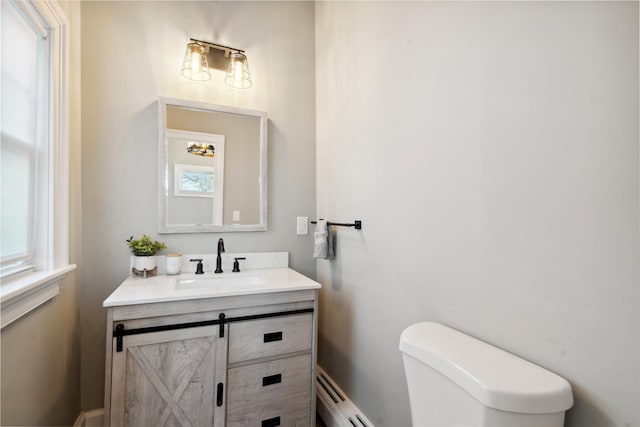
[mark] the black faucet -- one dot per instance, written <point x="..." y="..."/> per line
<point x="219" y="258"/>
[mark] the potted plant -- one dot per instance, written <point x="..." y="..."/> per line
<point x="144" y="250"/>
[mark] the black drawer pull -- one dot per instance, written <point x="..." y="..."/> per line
<point x="273" y="336"/>
<point x="271" y="379"/>
<point x="271" y="422"/>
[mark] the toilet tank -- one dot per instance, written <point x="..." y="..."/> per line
<point x="457" y="380"/>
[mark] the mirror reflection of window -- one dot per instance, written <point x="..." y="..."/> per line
<point x="193" y="181"/>
<point x="195" y="177"/>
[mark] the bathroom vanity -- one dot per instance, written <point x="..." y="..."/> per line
<point x="231" y="349"/>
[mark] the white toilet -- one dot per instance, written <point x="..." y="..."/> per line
<point x="458" y="380"/>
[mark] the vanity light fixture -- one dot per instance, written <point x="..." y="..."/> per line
<point x="195" y="66"/>
<point x="238" y="75"/>
<point x="206" y="150"/>
<point x="201" y="56"/>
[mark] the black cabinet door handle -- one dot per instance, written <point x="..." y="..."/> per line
<point x="118" y="335"/>
<point x="221" y="317"/>
<point x="271" y="379"/>
<point x="273" y="336"/>
<point x="271" y="422"/>
<point x="220" y="395"/>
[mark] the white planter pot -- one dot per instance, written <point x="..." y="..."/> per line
<point x="142" y="263"/>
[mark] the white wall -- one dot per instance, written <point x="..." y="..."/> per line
<point x="491" y="150"/>
<point x="131" y="54"/>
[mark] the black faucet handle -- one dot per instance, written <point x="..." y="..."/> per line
<point x="199" y="266"/>
<point x="236" y="264"/>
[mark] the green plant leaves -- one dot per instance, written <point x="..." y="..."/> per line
<point x="144" y="246"/>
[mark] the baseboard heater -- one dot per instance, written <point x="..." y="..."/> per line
<point x="333" y="405"/>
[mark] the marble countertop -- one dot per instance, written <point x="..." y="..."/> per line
<point x="188" y="286"/>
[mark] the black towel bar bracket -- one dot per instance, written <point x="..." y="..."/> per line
<point x="357" y="224"/>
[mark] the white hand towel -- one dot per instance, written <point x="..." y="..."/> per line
<point x="330" y="242"/>
<point x="323" y="241"/>
<point x="320" y="247"/>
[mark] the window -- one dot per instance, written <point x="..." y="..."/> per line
<point x="33" y="155"/>
<point x="23" y="66"/>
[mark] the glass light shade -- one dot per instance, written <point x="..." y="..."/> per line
<point x="238" y="75"/>
<point x="194" y="65"/>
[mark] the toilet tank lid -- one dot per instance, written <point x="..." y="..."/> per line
<point x="494" y="377"/>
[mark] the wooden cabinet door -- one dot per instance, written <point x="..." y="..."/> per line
<point x="169" y="378"/>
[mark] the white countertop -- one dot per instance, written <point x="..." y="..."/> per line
<point x="188" y="286"/>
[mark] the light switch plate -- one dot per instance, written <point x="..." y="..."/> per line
<point x="236" y="216"/>
<point x="302" y="225"/>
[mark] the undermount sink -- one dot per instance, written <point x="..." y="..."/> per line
<point x="216" y="281"/>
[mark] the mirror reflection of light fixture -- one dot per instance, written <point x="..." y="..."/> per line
<point x="201" y="56"/>
<point x="206" y="150"/>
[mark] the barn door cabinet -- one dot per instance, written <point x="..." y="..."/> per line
<point x="236" y="360"/>
<point x="168" y="378"/>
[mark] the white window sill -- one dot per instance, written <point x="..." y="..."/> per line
<point x="20" y="295"/>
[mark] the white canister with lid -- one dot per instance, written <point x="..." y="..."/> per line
<point x="174" y="263"/>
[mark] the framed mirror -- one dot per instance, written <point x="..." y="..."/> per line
<point x="212" y="168"/>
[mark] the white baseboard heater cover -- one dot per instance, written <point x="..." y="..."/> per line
<point x="333" y="405"/>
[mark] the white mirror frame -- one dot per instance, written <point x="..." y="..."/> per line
<point x="163" y="227"/>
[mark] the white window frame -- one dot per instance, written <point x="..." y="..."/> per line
<point x="23" y="292"/>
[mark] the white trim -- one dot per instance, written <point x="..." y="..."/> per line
<point x="34" y="19"/>
<point x="20" y="295"/>
<point x="59" y="148"/>
<point x="92" y="418"/>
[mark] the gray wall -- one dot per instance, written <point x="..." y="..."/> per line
<point x="131" y="54"/>
<point x="491" y="150"/>
<point x="41" y="351"/>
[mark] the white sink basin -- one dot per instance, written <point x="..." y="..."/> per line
<point x="219" y="281"/>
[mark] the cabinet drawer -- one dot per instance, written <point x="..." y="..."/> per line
<point x="269" y="337"/>
<point x="270" y="394"/>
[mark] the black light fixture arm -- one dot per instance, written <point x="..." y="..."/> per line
<point x="218" y="46"/>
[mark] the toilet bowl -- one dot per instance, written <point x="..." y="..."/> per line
<point x="457" y="380"/>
